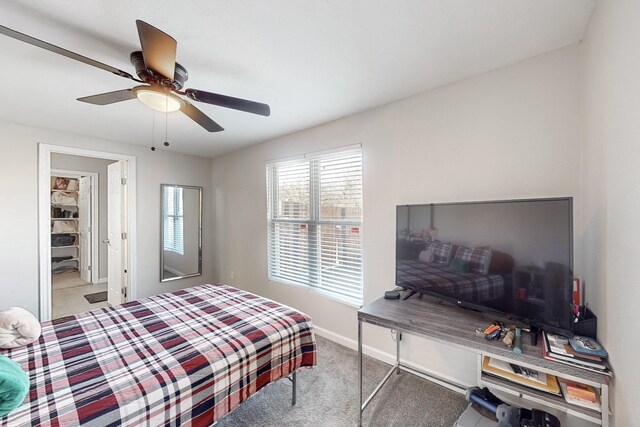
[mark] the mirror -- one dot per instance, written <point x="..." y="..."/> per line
<point x="181" y="222"/>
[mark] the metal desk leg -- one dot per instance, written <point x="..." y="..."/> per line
<point x="360" y="409"/>
<point x="398" y="339"/>
<point x="294" y="383"/>
<point x="394" y="368"/>
<point x="604" y="401"/>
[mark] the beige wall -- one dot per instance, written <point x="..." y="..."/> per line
<point x="612" y="196"/>
<point x="511" y="133"/>
<point x="19" y="245"/>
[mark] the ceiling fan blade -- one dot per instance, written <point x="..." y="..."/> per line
<point x="109" y="97"/>
<point x="199" y="117"/>
<point x="158" y="49"/>
<point x="64" y="52"/>
<point x="228" y="102"/>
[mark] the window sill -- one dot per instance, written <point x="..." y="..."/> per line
<point x="316" y="291"/>
<point x="174" y="251"/>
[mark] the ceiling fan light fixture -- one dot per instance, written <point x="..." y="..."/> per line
<point x="157" y="99"/>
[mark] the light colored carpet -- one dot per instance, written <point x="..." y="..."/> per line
<point x="327" y="397"/>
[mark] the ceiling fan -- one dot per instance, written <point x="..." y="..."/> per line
<point x="162" y="77"/>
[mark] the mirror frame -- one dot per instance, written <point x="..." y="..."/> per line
<point x="199" y="273"/>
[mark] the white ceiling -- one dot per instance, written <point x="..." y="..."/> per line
<point x="311" y="61"/>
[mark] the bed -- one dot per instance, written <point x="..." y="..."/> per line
<point x="183" y="358"/>
<point x="423" y="276"/>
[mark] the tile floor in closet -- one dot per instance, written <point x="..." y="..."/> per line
<point x="68" y="291"/>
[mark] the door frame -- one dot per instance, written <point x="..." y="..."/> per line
<point x="116" y="228"/>
<point x="44" y="218"/>
<point x="95" y="226"/>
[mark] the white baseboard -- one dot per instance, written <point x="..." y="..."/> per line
<point x="103" y="280"/>
<point x="353" y="345"/>
<point x="383" y="356"/>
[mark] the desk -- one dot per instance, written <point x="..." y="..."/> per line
<point x="455" y="326"/>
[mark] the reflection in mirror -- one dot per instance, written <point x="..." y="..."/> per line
<point x="181" y="250"/>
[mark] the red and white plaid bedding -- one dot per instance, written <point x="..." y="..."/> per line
<point x="428" y="276"/>
<point x="184" y="358"/>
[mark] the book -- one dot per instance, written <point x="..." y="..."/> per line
<point x="579" y="394"/>
<point x="604" y="371"/>
<point x="571" y="352"/>
<point x="551" y="386"/>
<point x="530" y="374"/>
<point x="582" y="391"/>
<point x="556" y="343"/>
<point x="587" y="346"/>
<point x="555" y="349"/>
<point x="560" y="345"/>
<point x="600" y="369"/>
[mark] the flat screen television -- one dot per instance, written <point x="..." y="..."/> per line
<point x="513" y="257"/>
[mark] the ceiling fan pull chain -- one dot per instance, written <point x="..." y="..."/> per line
<point x="153" y="130"/>
<point x="166" y="120"/>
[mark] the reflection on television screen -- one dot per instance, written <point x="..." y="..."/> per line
<point x="514" y="256"/>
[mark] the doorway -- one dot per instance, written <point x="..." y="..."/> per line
<point x="75" y="222"/>
<point x="87" y="230"/>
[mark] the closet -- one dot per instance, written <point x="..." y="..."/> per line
<point x="71" y="225"/>
<point x="65" y="239"/>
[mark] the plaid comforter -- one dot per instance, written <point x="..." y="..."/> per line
<point x="428" y="276"/>
<point x="184" y="358"/>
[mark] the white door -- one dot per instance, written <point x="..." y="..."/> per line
<point x="84" y="228"/>
<point x="115" y="250"/>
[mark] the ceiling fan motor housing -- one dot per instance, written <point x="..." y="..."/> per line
<point x="179" y="77"/>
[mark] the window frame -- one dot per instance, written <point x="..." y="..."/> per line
<point x="314" y="255"/>
<point x="170" y="244"/>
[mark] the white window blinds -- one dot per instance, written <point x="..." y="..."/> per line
<point x="173" y="220"/>
<point x="315" y="222"/>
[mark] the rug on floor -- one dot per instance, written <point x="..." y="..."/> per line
<point x="97" y="297"/>
<point x="327" y="397"/>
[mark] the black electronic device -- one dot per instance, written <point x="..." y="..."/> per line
<point x="392" y="295"/>
<point x="512" y="257"/>
<point x="493" y="335"/>
<point x="508" y="416"/>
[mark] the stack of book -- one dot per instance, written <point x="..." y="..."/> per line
<point x="578" y="351"/>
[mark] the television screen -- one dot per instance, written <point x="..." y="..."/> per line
<point x="512" y="256"/>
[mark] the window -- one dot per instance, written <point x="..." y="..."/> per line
<point x="315" y="222"/>
<point x="173" y="220"/>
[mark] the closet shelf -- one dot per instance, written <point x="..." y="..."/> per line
<point x="66" y="270"/>
<point x="64" y="260"/>
<point x="71" y="244"/>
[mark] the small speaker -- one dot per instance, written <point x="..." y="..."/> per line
<point x="392" y="295"/>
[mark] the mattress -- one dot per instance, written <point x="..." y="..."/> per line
<point x="183" y="358"/>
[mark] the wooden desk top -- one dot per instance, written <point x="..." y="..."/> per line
<point x="449" y="324"/>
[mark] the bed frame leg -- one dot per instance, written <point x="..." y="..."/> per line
<point x="293" y="379"/>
